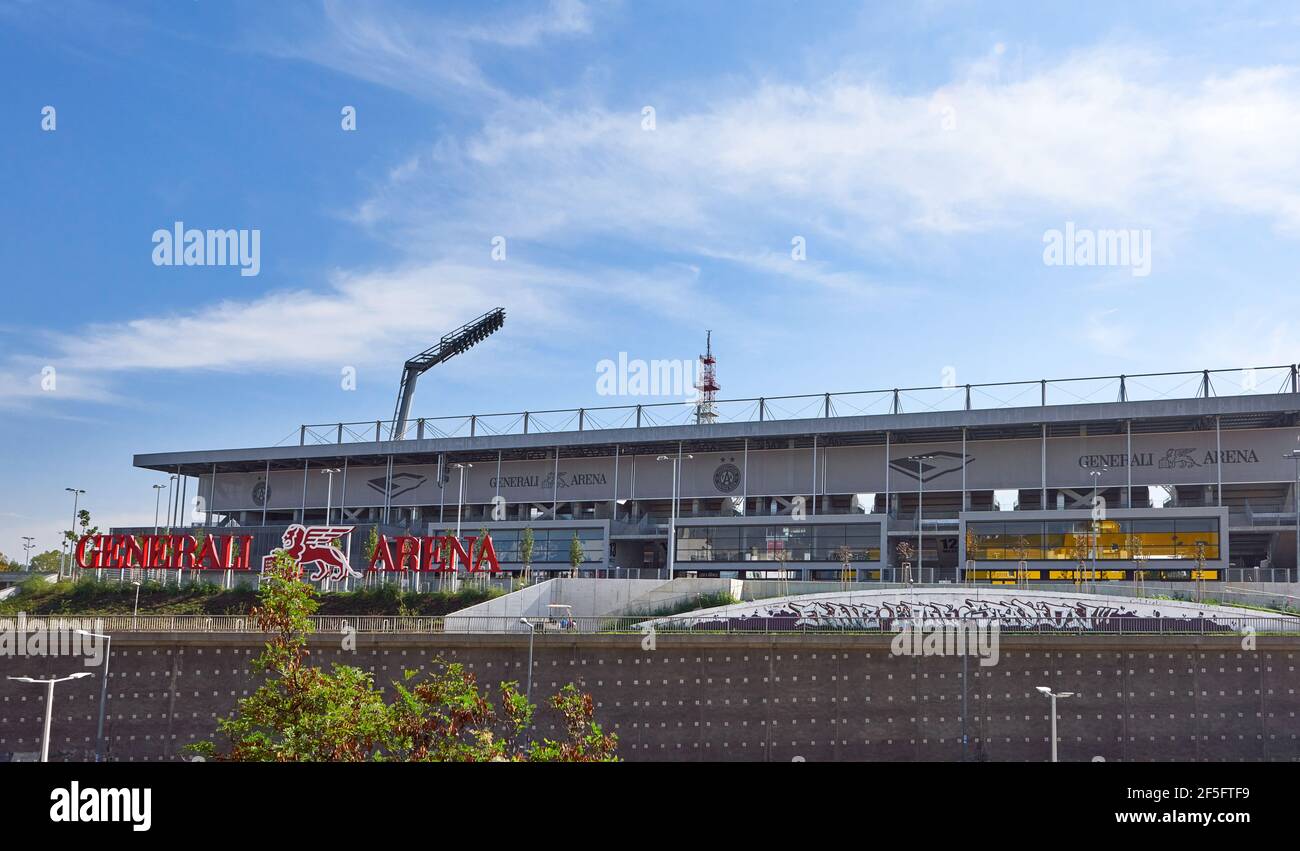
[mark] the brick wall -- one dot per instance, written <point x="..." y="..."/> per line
<point x="740" y="697"/>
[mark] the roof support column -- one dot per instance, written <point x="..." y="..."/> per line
<point x="1042" y="465"/>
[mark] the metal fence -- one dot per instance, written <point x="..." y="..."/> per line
<point x="688" y="624"/>
<point x="1149" y="386"/>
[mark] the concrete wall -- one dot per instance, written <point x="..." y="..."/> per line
<point x="746" y="698"/>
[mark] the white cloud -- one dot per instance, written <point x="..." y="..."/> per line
<point x="423" y="55"/>
<point x="361" y="319"/>
<point x="1101" y="136"/>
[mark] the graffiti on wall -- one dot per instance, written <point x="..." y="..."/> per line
<point x="1013" y="612"/>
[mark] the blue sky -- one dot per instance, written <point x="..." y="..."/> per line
<point x="921" y="151"/>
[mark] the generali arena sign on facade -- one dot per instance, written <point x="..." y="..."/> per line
<point x="306" y="545"/>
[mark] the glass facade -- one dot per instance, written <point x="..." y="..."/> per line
<point x="802" y="542"/>
<point x="1117" y="540"/>
<point x="550" y="546"/>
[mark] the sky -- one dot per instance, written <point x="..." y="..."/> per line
<point x="849" y="195"/>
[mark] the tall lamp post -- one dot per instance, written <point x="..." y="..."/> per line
<point x="1047" y="692"/>
<point x="329" y="497"/>
<point x="49" y="704"/>
<point x="1096" y="481"/>
<point x="672" y="512"/>
<point x="103" y="693"/>
<point x="76" y="494"/>
<point x="460" y="500"/>
<point x="1294" y="455"/>
<point x="28" y="543"/>
<point x="135" y="613"/>
<point x="920" y="501"/>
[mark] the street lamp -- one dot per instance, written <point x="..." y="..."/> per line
<point x="532" y="630"/>
<point x="103" y="693"/>
<point x="49" y="704"/>
<point x="920" y="501"/>
<point x="157" y="495"/>
<point x="136" y="611"/>
<point x="326" y="584"/>
<point x="1294" y="455"/>
<point x="1096" y="480"/>
<point x="460" y="499"/>
<point x="76" y="494"/>
<point x="1047" y="692"/>
<point x="28" y="543"/>
<point x="672" y="510"/>
<point x="329" y="490"/>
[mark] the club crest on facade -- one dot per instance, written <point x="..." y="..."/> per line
<point x="314" y="545"/>
<point x="726" y="478"/>
<point x="399" y="484"/>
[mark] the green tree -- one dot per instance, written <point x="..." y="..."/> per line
<point x="303" y="713"/>
<point x="46" y="562"/>
<point x="576" y="554"/>
<point x="526" y="552"/>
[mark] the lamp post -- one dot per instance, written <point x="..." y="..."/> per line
<point x="103" y="693"/>
<point x="1047" y="692"/>
<point x="920" y="501"/>
<point x="532" y="630"/>
<point x="1294" y="455"/>
<point x="28" y="543"/>
<point x="135" y="613"/>
<point x="329" y="497"/>
<point x="460" y="499"/>
<point x="49" y="704"/>
<point x="76" y="494"/>
<point x="1096" y="481"/>
<point x="672" y="511"/>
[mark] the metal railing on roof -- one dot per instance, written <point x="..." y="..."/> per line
<point x="1151" y="386"/>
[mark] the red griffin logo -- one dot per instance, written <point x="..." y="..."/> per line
<point x="314" y="545"/>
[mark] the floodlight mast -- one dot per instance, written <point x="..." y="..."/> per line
<point x="460" y="340"/>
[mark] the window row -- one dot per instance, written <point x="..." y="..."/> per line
<point x="821" y="542"/>
<point x="549" y="545"/>
<point x="1120" y="540"/>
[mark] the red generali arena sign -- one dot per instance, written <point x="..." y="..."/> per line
<point x="319" y="546"/>
<point x="165" y="552"/>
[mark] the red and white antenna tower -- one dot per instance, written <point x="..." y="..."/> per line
<point x="706" y="409"/>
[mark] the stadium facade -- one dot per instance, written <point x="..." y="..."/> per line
<point x="1178" y="475"/>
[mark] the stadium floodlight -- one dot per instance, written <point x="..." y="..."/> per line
<point x="1048" y="693"/>
<point x="49" y="704"/>
<point x="460" y="340"/>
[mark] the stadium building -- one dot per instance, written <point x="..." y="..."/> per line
<point x="1183" y="476"/>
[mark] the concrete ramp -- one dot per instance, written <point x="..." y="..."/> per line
<point x="587" y="598"/>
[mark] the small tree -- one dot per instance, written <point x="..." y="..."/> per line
<point x="845" y="557"/>
<point x="302" y="713"/>
<point x="477" y="555"/>
<point x="576" y="555"/>
<point x="526" y="553"/>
